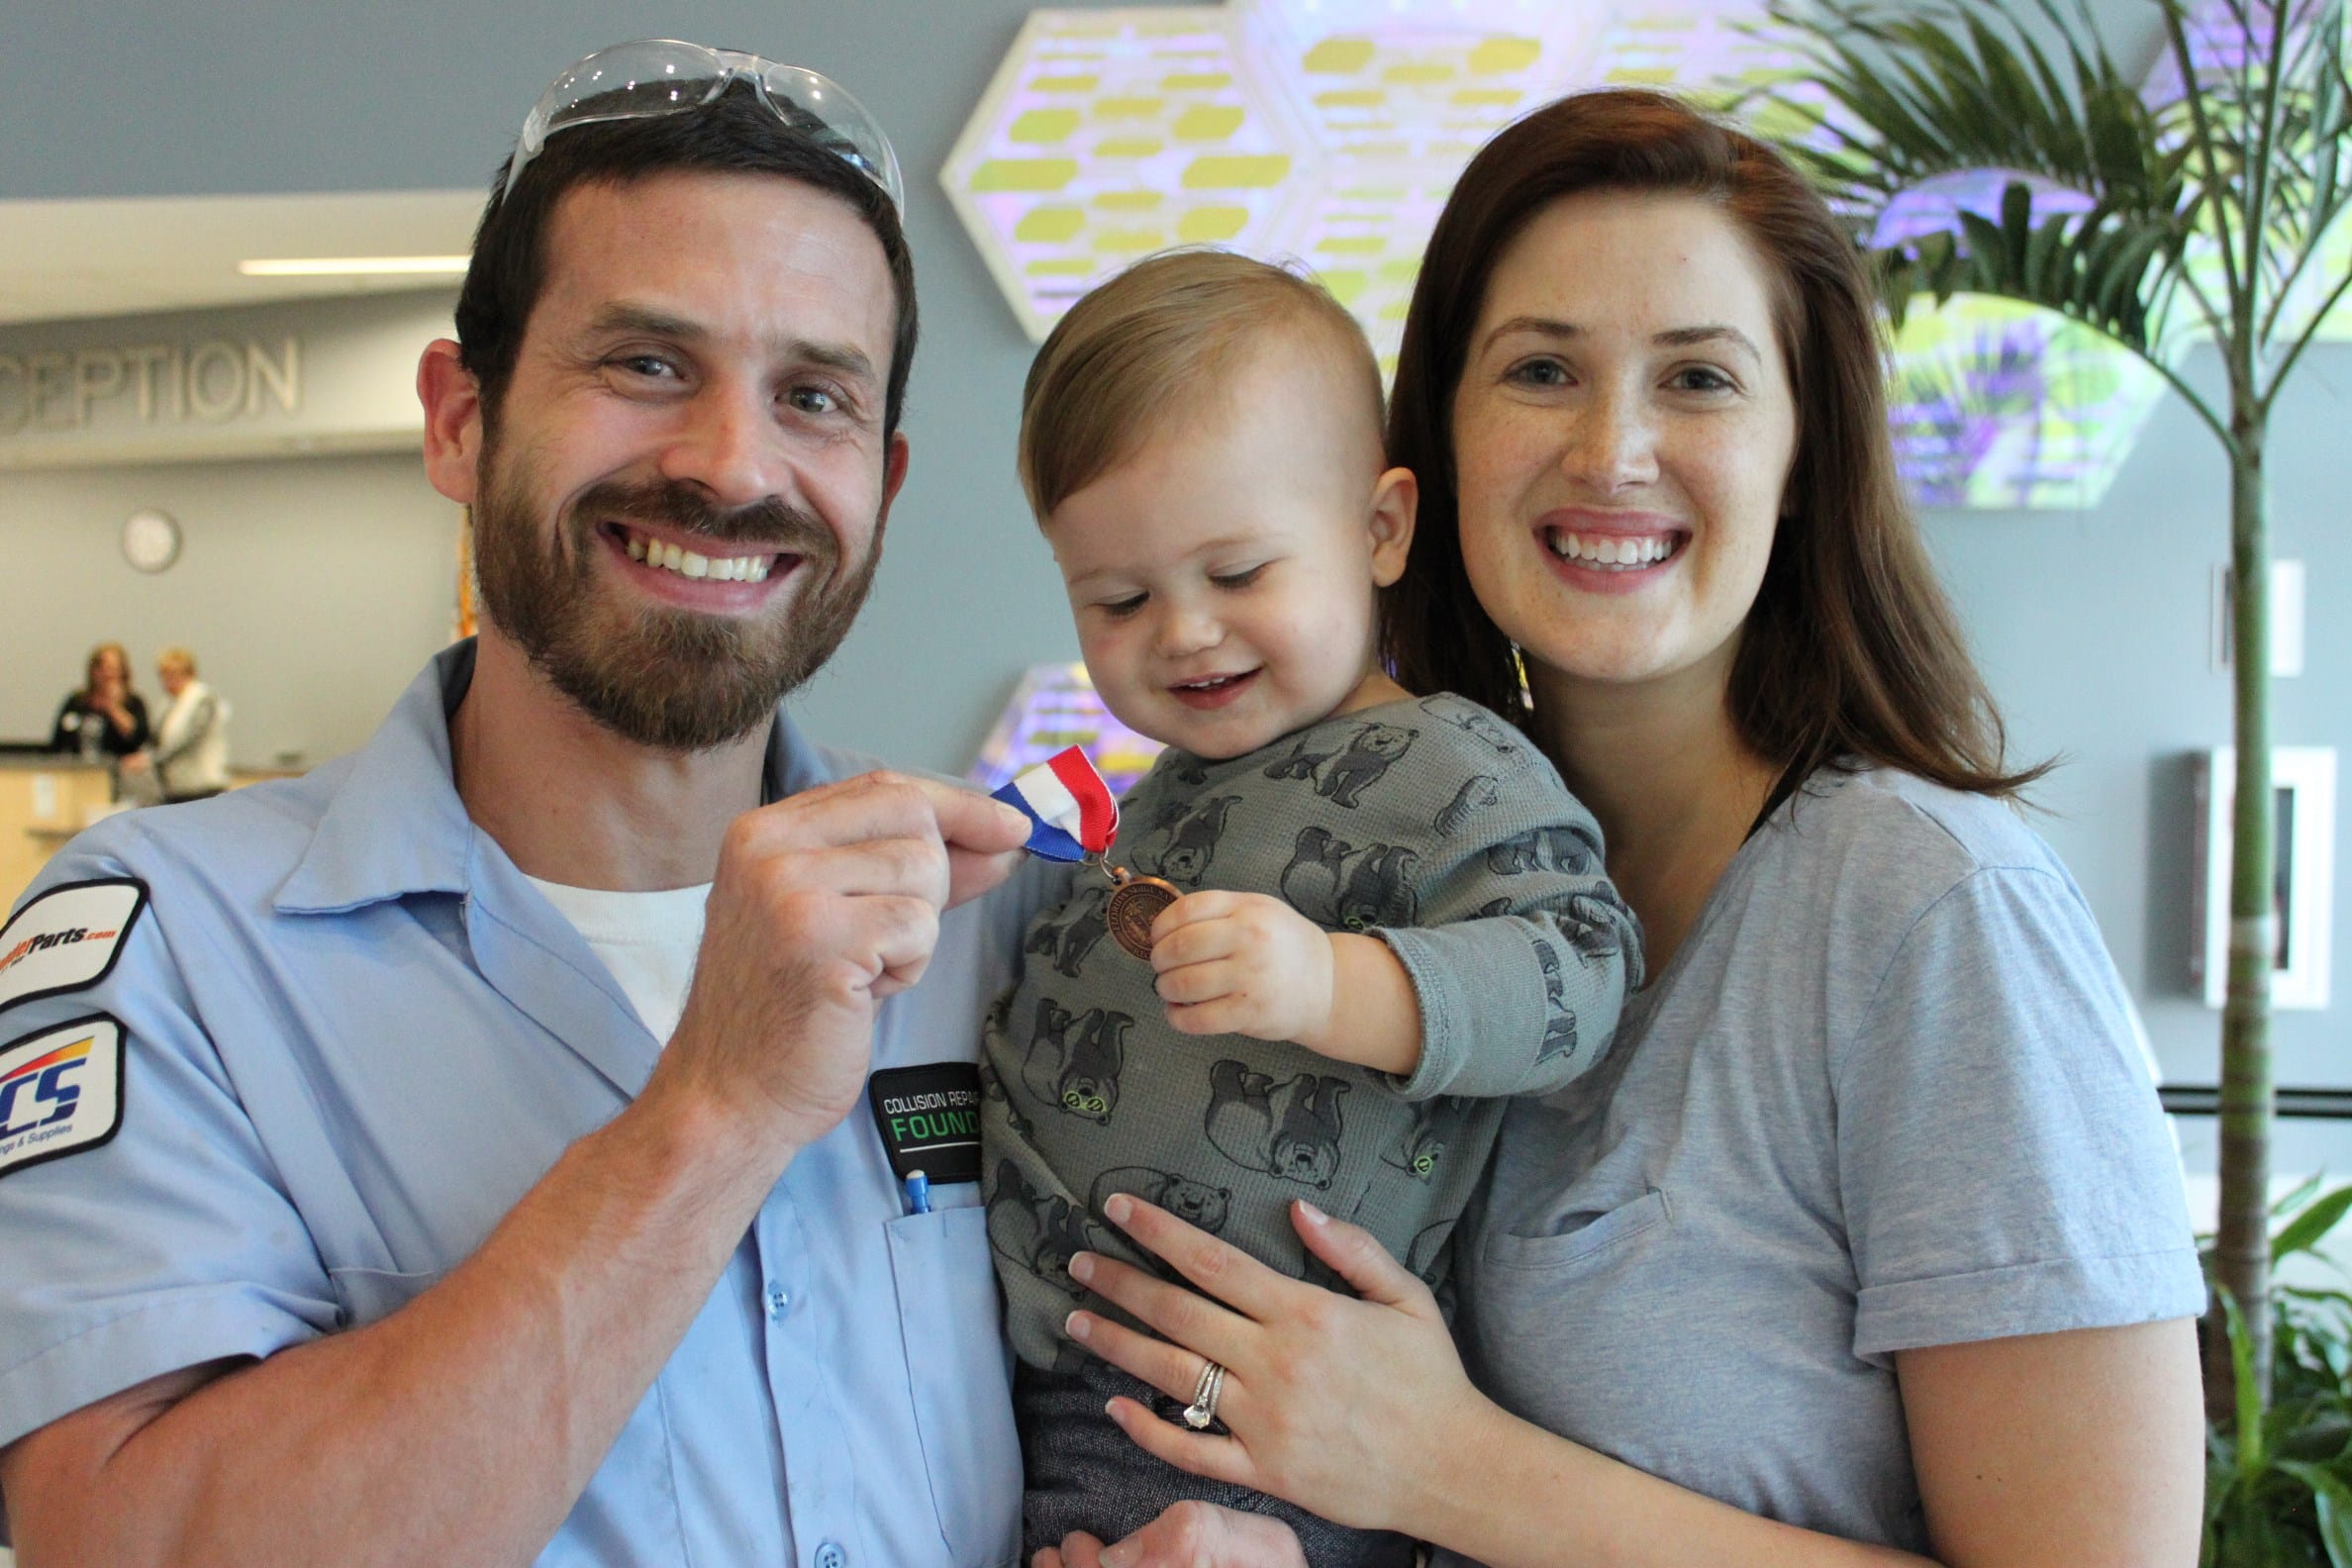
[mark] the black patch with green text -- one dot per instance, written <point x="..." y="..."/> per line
<point x="930" y="1120"/>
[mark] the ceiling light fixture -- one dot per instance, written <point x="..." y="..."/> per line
<point x="354" y="266"/>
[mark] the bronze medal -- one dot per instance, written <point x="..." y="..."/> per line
<point x="1135" y="903"/>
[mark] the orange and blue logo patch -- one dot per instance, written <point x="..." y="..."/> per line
<point x="61" y="1092"/>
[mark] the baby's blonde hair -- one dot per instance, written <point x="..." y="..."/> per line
<point x="1149" y="348"/>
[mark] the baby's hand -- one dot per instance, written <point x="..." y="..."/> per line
<point x="1243" y="963"/>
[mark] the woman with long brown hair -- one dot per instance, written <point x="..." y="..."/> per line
<point x="105" y="717"/>
<point x="1867" y="1241"/>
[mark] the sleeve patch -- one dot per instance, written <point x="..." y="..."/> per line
<point x="61" y="1092"/>
<point x="67" y="939"/>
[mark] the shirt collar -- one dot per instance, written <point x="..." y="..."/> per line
<point x="395" y="824"/>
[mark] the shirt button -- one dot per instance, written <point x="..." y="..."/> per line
<point x="778" y="1298"/>
<point x="829" y="1555"/>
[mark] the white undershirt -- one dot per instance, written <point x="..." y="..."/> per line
<point x="648" y="940"/>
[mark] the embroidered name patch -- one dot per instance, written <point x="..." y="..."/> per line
<point x="930" y="1120"/>
<point x="68" y="938"/>
<point x="61" y="1091"/>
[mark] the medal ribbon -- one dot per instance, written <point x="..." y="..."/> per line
<point x="1070" y="810"/>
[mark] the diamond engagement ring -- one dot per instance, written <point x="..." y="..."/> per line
<point x="1203" y="1409"/>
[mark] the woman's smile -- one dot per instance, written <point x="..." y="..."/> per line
<point x="1623" y="432"/>
<point x="1609" y="553"/>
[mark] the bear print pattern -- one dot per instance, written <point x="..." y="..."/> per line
<point x="1428" y="1249"/>
<point x="1505" y="741"/>
<point x="1066" y="945"/>
<point x="1419" y="1147"/>
<point x="1342" y="888"/>
<point x="1477" y="793"/>
<point x="1341" y="775"/>
<point x="1594" y="922"/>
<point x="1073" y="1064"/>
<point x="1371" y="751"/>
<point x="1559" y="1028"/>
<point x="1194" y="1200"/>
<point x="1289" y="1129"/>
<point x="1188" y="844"/>
<point x="1557" y="848"/>
<point x="992" y="1087"/>
<point x="1038" y="1230"/>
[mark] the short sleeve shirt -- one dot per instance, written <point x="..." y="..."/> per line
<point x="354" y="1035"/>
<point x="1887" y="1095"/>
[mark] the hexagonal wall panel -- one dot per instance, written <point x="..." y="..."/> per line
<point x="1399" y="94"/>
<point x="1332" y="130"/>
<point x="1108" y="135"/>
<point x="1418" y="81"/>
<point x="2002" y="407"/>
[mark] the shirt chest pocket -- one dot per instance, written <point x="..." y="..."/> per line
<point x="1579" y="1245"/>
<point x="961" y="1377"/>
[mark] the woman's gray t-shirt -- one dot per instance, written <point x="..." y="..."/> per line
<point x="1887" y="1095"/>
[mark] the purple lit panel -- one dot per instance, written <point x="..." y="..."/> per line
<point x="1052" y="708"/>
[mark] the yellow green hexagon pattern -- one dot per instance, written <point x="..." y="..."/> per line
<point x="1326" y="134"/>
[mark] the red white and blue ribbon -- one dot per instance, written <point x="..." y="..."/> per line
<point x="1070" y="810"/>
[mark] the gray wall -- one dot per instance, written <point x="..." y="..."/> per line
<point x="308" y="591"/>
<point x="275" y="96"/>
<point x="2093" y="626"/>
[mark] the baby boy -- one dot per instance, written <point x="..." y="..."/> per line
<point x="1393" y="913"/>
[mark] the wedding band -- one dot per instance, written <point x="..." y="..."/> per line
<point x="1203" y="1409"/>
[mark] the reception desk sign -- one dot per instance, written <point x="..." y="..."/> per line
<point x="325" y="375"/>
<point x="160" y="383"/>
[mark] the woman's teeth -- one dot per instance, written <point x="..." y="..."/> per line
<point x="686" y="564"/>
<point x="1605" y="550"/>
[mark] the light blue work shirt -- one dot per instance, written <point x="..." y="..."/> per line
<point x="357" y="1034"/>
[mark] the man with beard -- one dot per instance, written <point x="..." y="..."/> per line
<point x="460" y="1154"/>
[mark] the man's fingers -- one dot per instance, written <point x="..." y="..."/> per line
<point x="853" y="811"/>
<point x="904" y="932"/>
<point x="885" y="805"/>
<point x="971" y="873"/>
<point x="972" y="821"/>
<point x="908" y="867"/>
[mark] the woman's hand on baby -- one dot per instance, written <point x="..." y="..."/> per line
<point x="1343" y="1407"/>
<point x="1189" y="1534"/>
<point x="1243" y="963"/>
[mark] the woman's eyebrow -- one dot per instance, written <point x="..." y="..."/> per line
<point x="1689" y="337"/>
<point x="1672" y="338"/>
<point x="1540" y="325"/>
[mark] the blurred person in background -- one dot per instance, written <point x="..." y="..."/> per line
<point x="105" y="717"/>
<point x="190" y="757"/>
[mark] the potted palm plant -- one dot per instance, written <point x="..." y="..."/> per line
<point x="2197" y="202"/>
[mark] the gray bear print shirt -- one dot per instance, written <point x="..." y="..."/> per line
<point x="1430" y="823"/>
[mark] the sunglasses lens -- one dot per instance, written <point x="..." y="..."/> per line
<point x="656" y="76"/>
<point x="653" y="77"/>
<point x="821" y="110"/>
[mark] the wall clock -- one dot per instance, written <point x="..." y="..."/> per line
<point x="150" y="538"/>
